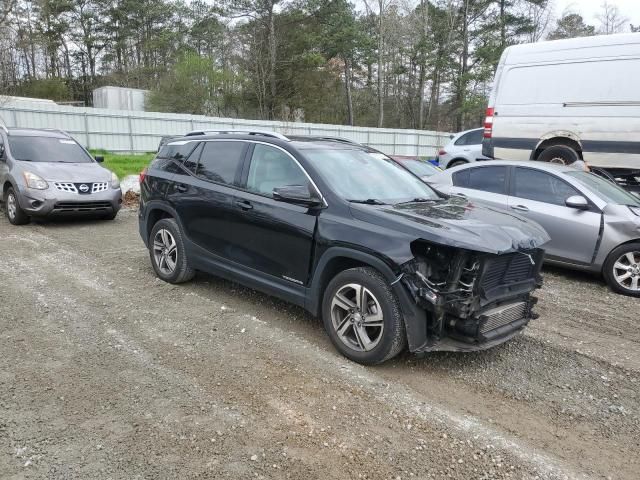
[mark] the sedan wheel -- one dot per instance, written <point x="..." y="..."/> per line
<point x="357" y="317"/>
<point x="621" y="270"/>
<point x="14" y="212"/>
<point x="626" y="271"/>
<point x="165" y="251"/>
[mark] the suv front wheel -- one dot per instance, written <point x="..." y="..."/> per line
<point x="362" y="316"/>
<point x="167" y="252"/>
<point x="14" y="212"/>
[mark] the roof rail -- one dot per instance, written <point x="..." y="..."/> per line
<point x="237" y="132"/>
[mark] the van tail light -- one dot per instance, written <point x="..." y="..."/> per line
<point x="143" y="174"/>
<point x="442" y="152"/>
<point x="488" y="123"/>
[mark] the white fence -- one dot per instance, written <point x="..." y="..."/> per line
<point x="126" y="131"/>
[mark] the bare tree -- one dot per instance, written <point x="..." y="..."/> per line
<point x="540" y="14"/>
<point x="5" y="8"/>
<point x="611" y="20"/>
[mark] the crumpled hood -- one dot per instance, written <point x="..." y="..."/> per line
<point x="458" y="223"/>
<point x="69" y="172"/>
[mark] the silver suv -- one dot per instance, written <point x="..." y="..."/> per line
<point x="464" y="147"/>
<point x="47" y="173"/>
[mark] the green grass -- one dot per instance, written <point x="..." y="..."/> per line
<point x="123" y="165"/>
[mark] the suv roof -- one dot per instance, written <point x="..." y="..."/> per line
<point x="37" y="132"/>
<point x="301" y="142"/>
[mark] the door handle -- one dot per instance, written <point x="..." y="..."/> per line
<point x="520" y="208"/>
<point x="244" y="205"/>
<point x="181" y="187"/>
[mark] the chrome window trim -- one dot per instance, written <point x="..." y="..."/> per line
<point x="195" y="139"/>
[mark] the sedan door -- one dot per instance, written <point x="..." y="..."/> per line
<point x="487" y="183"/>
<point x="541" y="196"/>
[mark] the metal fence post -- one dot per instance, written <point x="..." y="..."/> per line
<point x="86" y="130"/>
<point x="130" y="134"/>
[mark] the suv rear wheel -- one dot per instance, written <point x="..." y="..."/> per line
<point x="14" y="212"/>
<point x="455" y="163"/>
<point x="167" y="252"/>
<point x="362" y="316"/>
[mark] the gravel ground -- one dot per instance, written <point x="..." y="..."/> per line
<point x="106" y="372"/>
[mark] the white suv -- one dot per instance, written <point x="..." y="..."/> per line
<point x="464" y="147"/>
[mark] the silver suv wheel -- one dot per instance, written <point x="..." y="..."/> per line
<point x="357" y="317"/>
<point x="11" y="206"/>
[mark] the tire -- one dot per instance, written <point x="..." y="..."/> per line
<point x="625" y="257"/>
<point x="559" y="154"/>
<point x="12" y="209"/>
<point x="181" y="271"/>
<point x="385" y="338"/>
<point x="455" y="163"/>
<point x="111" y="216"/>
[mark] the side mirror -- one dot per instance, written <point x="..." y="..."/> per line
<point x="296" y="194"/>
<point x="451" y="136"/>
<point x="577" y="201"/>
<point x="99" y="158"/>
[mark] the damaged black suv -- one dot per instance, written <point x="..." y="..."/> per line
<point x="346" y="233"/>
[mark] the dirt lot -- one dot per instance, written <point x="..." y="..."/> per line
<point x="106" y="372"/>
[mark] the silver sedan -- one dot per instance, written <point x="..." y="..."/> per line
<point x="594" y="225"/>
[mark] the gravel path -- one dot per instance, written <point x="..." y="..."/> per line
<point x="106" y="372"/>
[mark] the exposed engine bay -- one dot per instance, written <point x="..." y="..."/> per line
<point x="472" y="297"/>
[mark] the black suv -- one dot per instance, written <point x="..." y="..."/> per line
<point x="346" y="233"/>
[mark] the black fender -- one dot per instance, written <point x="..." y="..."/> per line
<point x="144" y="213"/>
<point x="415" y="318"/>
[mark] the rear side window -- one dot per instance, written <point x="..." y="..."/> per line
<point x="541" y="187"/>
<point x="471" y="138"/>
<point x="177" y="152"/>
<point x="220" y="161"/>
<point x="461" y="179"/>
<point x="488" y="179"/>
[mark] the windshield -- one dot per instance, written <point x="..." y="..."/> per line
<point x="359" y="176"/>
<point x="421" y="169"/>
<point x="608" y="191"/>
<point x="47" y="149"/>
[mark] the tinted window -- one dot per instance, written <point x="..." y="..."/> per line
<point x="271" y="168"/>
<point x="219" y="161"/>
<point x="461" y="179"/>
<point x="191" y="161"/>
<point x="471" y="138"/>
<point x="541" y="187"/>
<point x="177" y="151"/>
<point x="47" y="149"/>
<point x="488" y="179"/>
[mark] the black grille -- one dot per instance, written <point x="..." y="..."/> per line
<point x="510" y="268"/>
<point x="81" y="206"/>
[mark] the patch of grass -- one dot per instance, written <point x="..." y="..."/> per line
<point x="123" y="165"/>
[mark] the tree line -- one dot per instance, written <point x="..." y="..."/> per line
<point x="387" y="63"/>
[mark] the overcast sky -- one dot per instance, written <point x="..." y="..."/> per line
<point x="590" y="8"/>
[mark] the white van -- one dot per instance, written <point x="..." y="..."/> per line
<point x="562" y="100"/>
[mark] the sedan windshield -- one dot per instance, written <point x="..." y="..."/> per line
<point x="419" y="168"/>
<point x="47" y="149"/>
<point x="360" y="176"/>
<point x="608" y="191"/>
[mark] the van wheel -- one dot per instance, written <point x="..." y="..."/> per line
<point x="560" y="154"/>
<point x="621" y="270"/>
<point x="362" y="316"/>
<point x="455" y="163"/>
